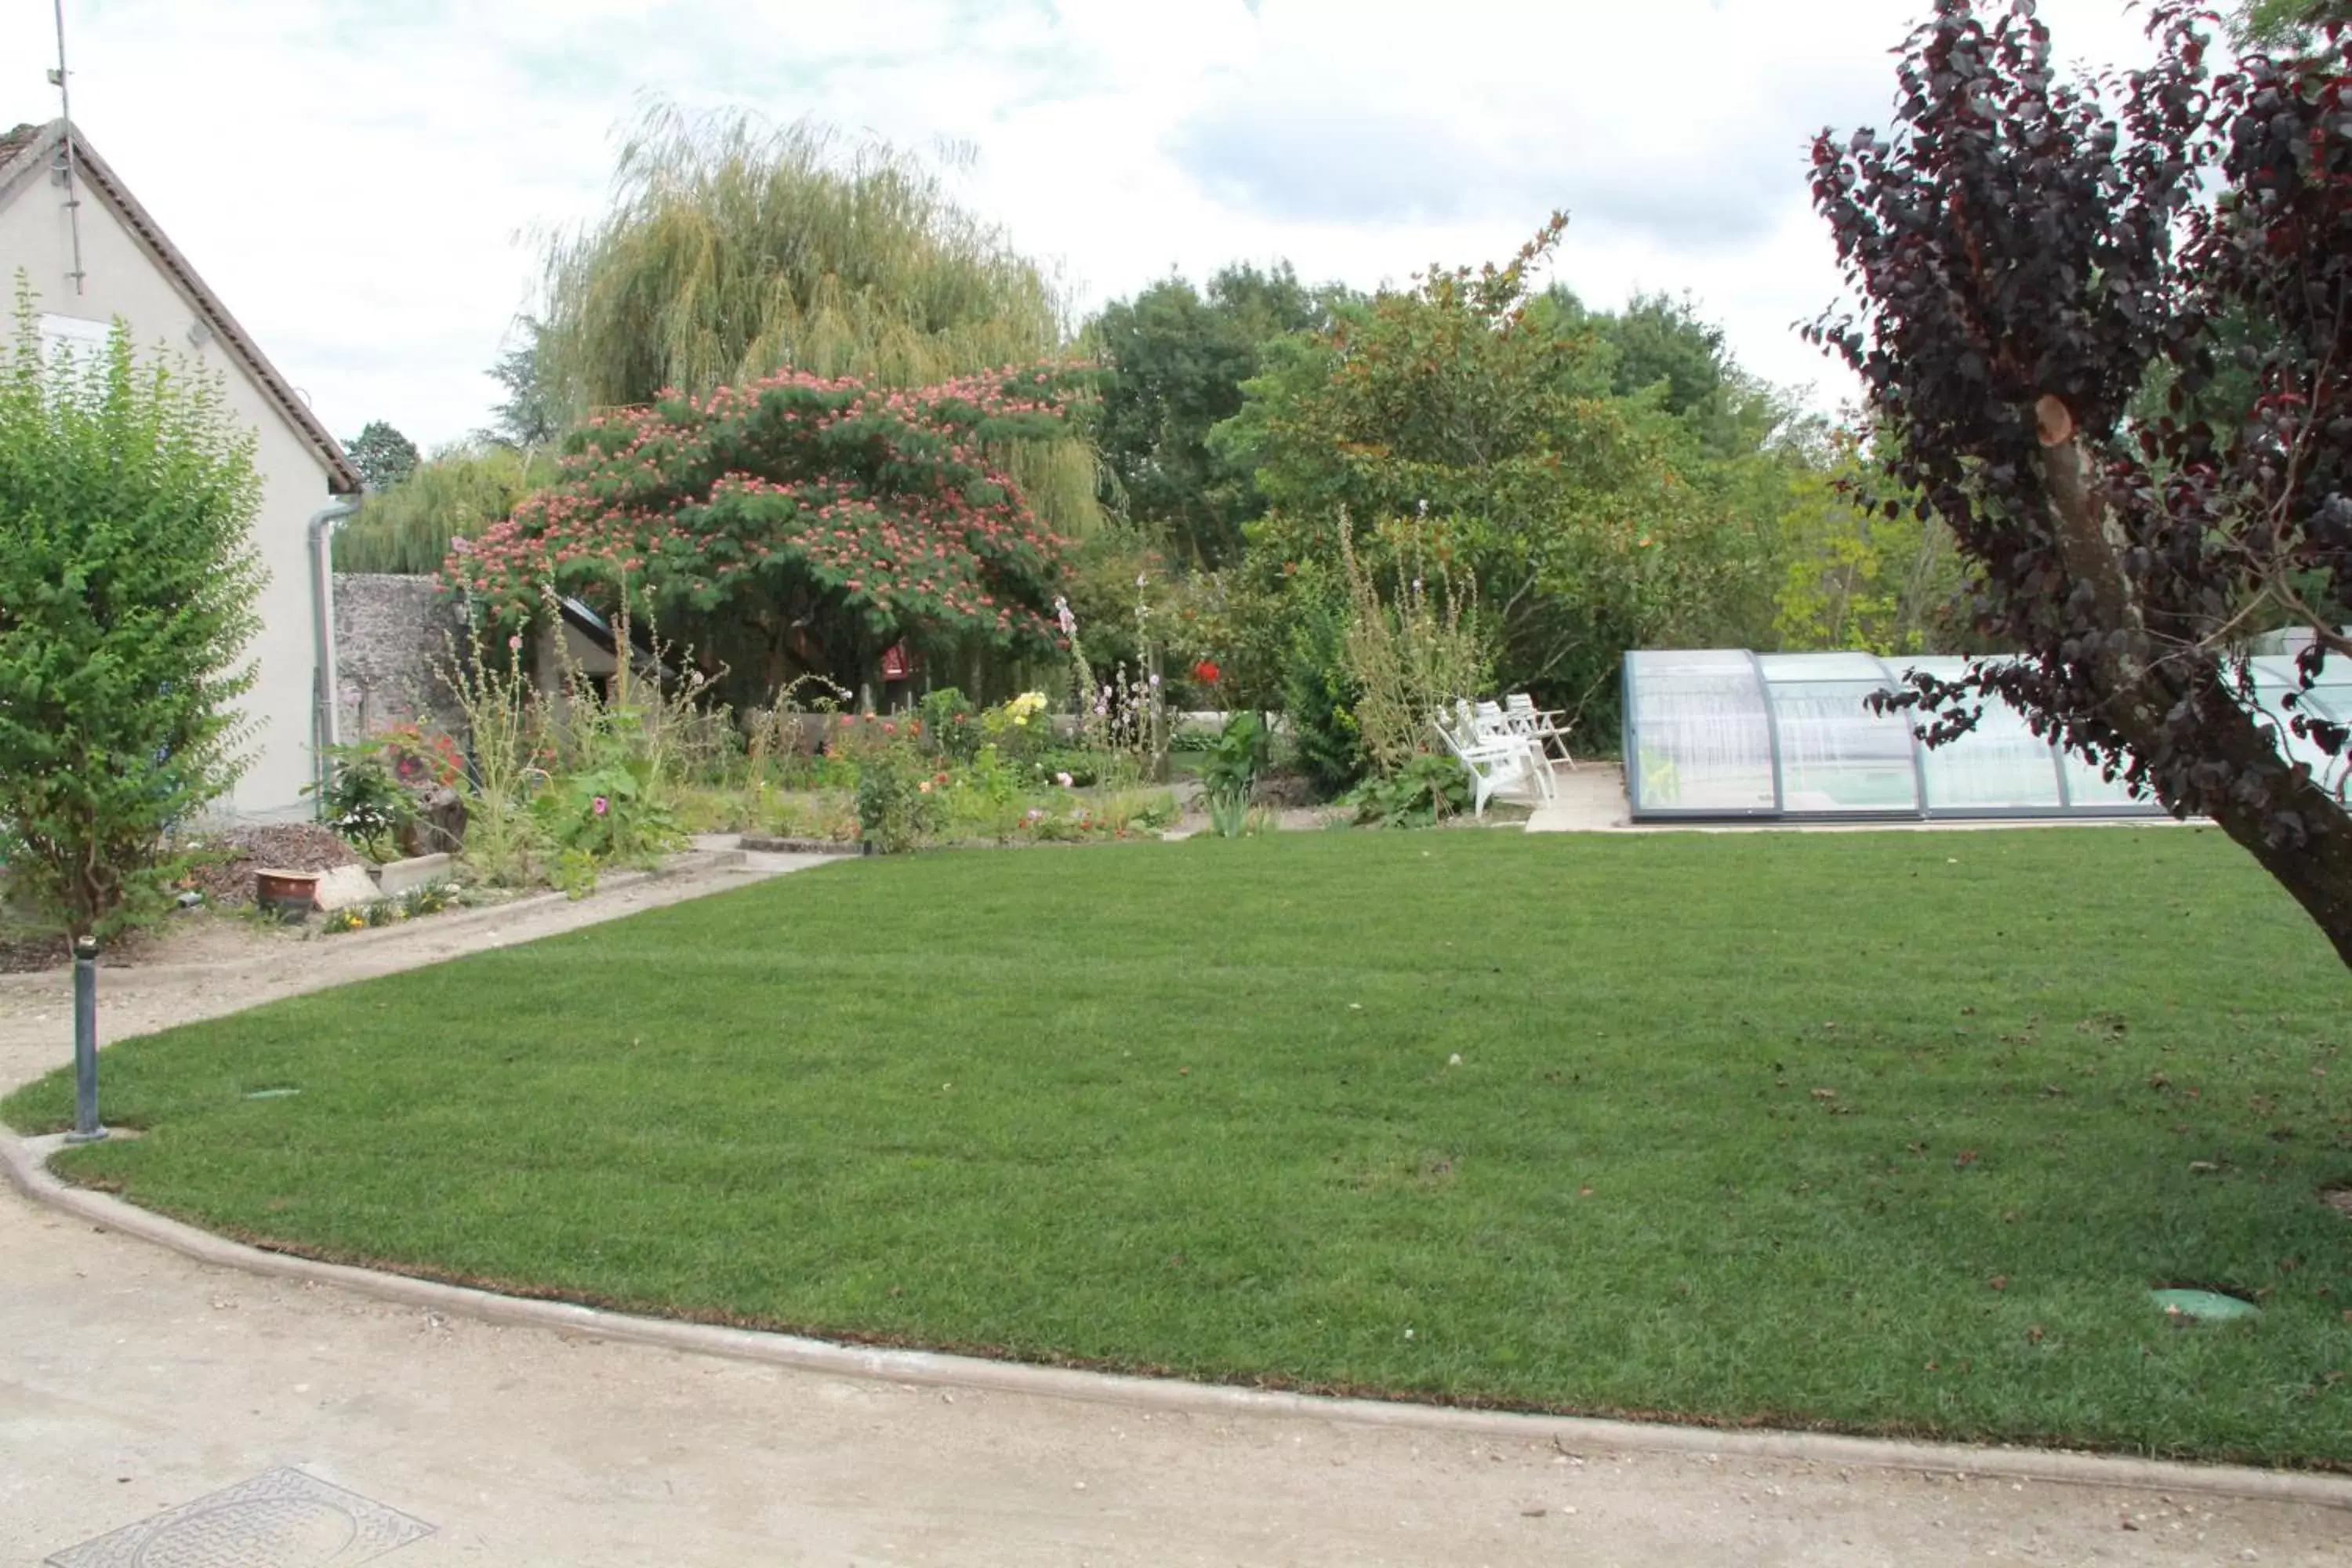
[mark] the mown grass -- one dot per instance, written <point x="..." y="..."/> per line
<point x="1880" y="1132"/>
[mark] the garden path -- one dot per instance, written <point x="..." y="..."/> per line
<point x="133" y="1380"/>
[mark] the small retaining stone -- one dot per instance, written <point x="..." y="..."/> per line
<point x="342" y="887"/>
<point x="398" y="877"/>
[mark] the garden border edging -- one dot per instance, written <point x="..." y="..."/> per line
<point x="27" y="1162"/>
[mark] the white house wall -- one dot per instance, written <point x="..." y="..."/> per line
<point x="122" y="282"/>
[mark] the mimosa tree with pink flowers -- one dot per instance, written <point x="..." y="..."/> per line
<point x="796" y="524"/>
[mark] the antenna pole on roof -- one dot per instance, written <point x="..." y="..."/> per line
<point x="66" y="149"/>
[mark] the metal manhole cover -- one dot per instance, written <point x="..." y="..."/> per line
<point x="280" y="1519"/>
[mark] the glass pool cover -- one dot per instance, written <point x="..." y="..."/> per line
<point x="1725" y="733"/>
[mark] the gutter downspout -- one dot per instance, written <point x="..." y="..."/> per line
<point x="322" y="642"/>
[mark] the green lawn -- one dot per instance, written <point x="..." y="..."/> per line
<point x="1880" y="1132"/>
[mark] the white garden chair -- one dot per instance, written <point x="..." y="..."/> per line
<point x="1496" y="762"/>
<point x="1494" y="725"/>
<point x="1548" y="730"/>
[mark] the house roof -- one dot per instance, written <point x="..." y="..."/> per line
<point x="28" y="149"/>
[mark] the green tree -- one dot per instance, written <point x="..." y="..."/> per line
<point x="735" y="249"/>
<point x="458" y="493"/>
<point x="1580" y="513"/>
<point x="1174" y="362"/>
<point x="383" y="456"/>
<point x="1854" y="577"/>
<point x="2282" y="24"/>
<point x="1663" y="344"/>
<point x="127" y="586"/>
<point x="529" y="418"/>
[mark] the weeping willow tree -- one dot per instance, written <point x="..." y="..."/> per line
<point x="735" y="248"/>
<point x="460" y="492"/>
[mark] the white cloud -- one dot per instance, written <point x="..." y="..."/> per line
<point x="359" y="179"/>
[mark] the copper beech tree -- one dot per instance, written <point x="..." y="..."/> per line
<point x="2032" y="254"/>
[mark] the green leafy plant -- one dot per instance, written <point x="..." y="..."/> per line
<point x="951" y="724"/>
<point x="1021" y="729"/>
<point x="128" y="580"/>
<point x="1072" y="770"/>
<point x="896" y="783"/>
<point x="985" y="794"/>
<point x="1421" y="794"/>
<point x="429" y="898"/>
<point x="1231" y="770"/>
<point x="608" y="814"/>
<point x="365" y="804"/>
<point x="574" y="872"/>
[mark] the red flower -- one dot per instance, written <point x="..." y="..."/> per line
<point x="1206" y="672"/>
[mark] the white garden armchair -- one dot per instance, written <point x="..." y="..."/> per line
<point x="1548" y="730"/>
<point x="1495" y="724"/>
<point x="1496" y="762"/>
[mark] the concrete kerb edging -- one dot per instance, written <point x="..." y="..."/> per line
<point x="27" y="1163"/>
<point x="685" y="867"/>
<point x="715" y="866"/>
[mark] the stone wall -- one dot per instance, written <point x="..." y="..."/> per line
<point x="390" y="632"/>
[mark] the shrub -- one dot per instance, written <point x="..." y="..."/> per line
<point x="1410" y="658"/>
<point x="1071" y="770"/>
<point x="951" y="723"/>
<point x="608" y="814"/>
<point x="127" y="585"/>
<point x="897" y="804"/>
<point x="1231" y="772"/>
<point x="505" y="722"/>
<point x="1420" y="794"/>
<point x="1021" y="730"/>
<point x="1318" y="698"/>
<point x="365" y="805"/>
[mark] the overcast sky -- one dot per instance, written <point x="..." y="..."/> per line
<point x="361" y="180"/>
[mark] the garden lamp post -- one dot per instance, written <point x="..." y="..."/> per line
<point x="85" y="1127"/>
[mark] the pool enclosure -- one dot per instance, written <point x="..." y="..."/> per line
<point x="1726" y="733"/>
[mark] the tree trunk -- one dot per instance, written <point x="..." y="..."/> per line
<point x="2277" y="812"/>
<point x="2292" y="825"/>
